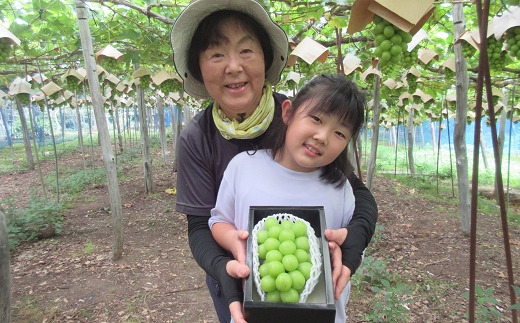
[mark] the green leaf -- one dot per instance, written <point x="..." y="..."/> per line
<point x="385" y="283"/>
<point x="338" y="21"/>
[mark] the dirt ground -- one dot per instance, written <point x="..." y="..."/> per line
<point x="71" y="277"/>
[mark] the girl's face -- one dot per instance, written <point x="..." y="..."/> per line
<point x="234" y="72"/>
<point x="312" y="140"/>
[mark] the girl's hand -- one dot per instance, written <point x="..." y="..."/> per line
<point x="340" y="273"/>
<point x="236" y="312"/>
<point x="237" y="268"/>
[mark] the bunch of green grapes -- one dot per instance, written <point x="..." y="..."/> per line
<point x="417" y="99"/>
<point x="286" y="266"/>
<point x="390" y="41"/>
<point x="427" y="104"/>
<point x="170" y="86"/>
<point x="111" y="64"/>
<point x="409" y="58"/>
<point x="449" y="74"/>
<point x="23" y="98"/>
<point x="496" y="56"/>
<point x="72" y="83"/>
<point x="369" y="79"/>
<point x="513" y="41"/>
<point x="5" y="49"/>
<point x="41" y="104"/>
<point x="144" y="82"/>
<point x="291" y="84"/>
<point x="412" y="83"/>
<point x="55" y="95"/>
<point x="305" y="68"/>
<point x="468" y="50"/>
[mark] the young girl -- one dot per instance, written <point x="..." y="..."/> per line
<point x="305" y="166"/>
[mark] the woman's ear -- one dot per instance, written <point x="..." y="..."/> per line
<point x="286" y="110"/>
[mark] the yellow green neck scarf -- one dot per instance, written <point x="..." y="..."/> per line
<point x="251" y="127"/>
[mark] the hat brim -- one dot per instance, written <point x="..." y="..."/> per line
<point x="189" y="19"/>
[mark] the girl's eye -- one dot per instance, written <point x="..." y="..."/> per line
<point x="317" y="119"/>
<point x="340" y="134"/>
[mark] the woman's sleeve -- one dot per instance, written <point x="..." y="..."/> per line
<point x="361" y="226"/>
<point x="212" y="258"/>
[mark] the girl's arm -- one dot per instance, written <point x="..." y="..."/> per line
<point x="231" y="239"/>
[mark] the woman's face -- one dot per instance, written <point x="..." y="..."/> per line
<point x="234" y="72"/>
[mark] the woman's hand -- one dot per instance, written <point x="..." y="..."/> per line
<point x="340" y="273"/>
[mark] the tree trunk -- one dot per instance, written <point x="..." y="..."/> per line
<point x="6" y="126"/>
<point x="119" y="137"/>
<point x="5" y="272"/>
<point x="99" y="112"/>
<point x="459" y="136"/>
<point x="26" y="135"/>
<point x="434" y="141"/>
<point x="145" y="142"/>
<point x="162" y="130"/>
<point x="375" y="134"/>
<point x="42" y="183"/>
<point x="80" y="132"/>
<point x="411" y="140"/>
<point x="483" y="150"/>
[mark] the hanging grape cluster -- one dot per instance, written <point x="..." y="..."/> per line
<point x="409" y="58"/>
<point x="513" y="41"/>
<point x="307" y="69"/>
<point x="411" y="79"/>
<point x="449" y="74"/>
<point x="496" y="56"/>
<point x="417" y="99"/>
<point x="144" y="82"/>
<point x="291" y="84"/>
<point x="111" y="64"/>
<point x="170" y="86"/>
<point x="23" y="98"/>
<point x="55" y="95"/>
<point x="468" y="50"/>
<point x="369" y="79"/>
<point x="5" y="49"/>
<point x="390" y="41"/>
<point x="72" y="83"/>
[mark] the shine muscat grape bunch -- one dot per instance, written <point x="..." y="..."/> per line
<point x="496" y="56"/>
<point x="144" y="82"/>
<point x="23" y="98"/>
<point x="5" y="49"/>
<point x="468" y="50"/>
<point x="513" y="41"/>
<point x="286" y="266"/>
<point x="390" y="41"/>
<point x="170" y="86"/>
<point x="72" y="83"/>
<point x="111" y="64"/>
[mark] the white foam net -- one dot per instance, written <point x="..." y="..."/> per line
<point x="314" y="251"/>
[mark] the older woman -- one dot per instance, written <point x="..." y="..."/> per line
<point x="232" y="52"/>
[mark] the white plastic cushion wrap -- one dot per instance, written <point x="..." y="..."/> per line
<point x="314" y="251"/>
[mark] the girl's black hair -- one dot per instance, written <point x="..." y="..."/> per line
<point x="335" y="95"/>
<point x="209" y="32"/>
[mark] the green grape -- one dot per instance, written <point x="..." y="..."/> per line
<point x="305" y="68"/>
<point x="144" y="82"/>
<point x="513" y="41"/>
<point x="5" y="49"/>
<point x="54" y="96"/>
<point x="390" y="42"/>
<point x="72" y="83"/>
<point x="496" y="56"/>
<point x="23" y="98"/>
<point x="111" y="64"/>
<point x="416" y="99"/>
<point x="170" y="86"/>
<point x="412" y="83"/>
<point x="291" y="85"/>
<point x="449" y="74"/>
<point x="409" y="58"/>
<point x="370" y="78"/>
<point x="468" y="50"/>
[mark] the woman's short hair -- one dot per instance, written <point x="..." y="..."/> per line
<point x="209" y="32"/>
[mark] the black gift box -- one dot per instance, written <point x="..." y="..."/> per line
<point x="319" y="306"/>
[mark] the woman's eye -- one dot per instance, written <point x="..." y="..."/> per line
<point x="247" y="51"/>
